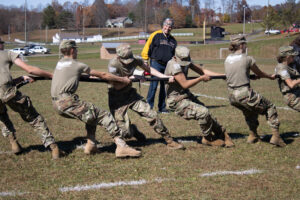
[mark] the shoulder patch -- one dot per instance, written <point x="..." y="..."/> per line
<point x="177" y="66"/>
<point x="60" y="65"/>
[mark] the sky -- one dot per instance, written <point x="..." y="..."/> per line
<point x="42" y="3"/>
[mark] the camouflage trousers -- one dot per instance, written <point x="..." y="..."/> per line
<point x="70" y="106"/>
<point x="189" y="107"/>
<point x="23" y="105"/>
<point x="253" y="104"/>
<point x="292" y="99"/>
<point x="119" y="103"/>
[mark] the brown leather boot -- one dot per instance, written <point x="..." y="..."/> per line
<point x="123" y="150"/>
<point x="171" y="144"/>
<point x="55" y="151"/>
<point x="210" y="140"/>
<point x="90" y="147"/>
<point x="15" y="146"/>
<point x="253" y="137"/>
<point x="276" y="139"/>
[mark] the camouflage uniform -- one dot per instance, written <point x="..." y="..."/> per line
<point x="242" y="96"/>
<point x="291" y="96"/>
<point x="64" y="85"/>
<point x="18" y="102"/>
<point x="121" y="100"/>
<point x="185" y="104"/>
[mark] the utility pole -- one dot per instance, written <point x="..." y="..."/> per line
<point x="83" y="20"/>
<point x="25" y="8"/>
<point x="8" y="32"/>
<point x="244" y="19"/>
<point x="146" y="25"/>
<point x="268" y="18"/>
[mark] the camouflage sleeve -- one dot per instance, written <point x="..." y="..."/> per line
<point x="250" y="61"/>
<point x="112" y="67"/>
<point x="85" y="68"/>
<point x="12" y="56"/>
<point x="282" y="71"/>
<point x="139" y="60"/>
<point x="175" y="68"/>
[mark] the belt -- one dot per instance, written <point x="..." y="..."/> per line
<point x="235" y="87"/>
<point x="61" y="96"/>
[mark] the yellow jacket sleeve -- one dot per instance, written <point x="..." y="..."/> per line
<point x="145" y="51"/>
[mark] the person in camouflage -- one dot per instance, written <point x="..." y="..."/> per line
<point x="287" y="70"/>
<point x="185" y="104"/>
<point x="243" y="97"/>
<point x="123" y="96"/>
<point x="64" y="85"/>
<point x="20" y="103"/>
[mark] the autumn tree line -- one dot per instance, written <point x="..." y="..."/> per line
<point x="186" y="13"/>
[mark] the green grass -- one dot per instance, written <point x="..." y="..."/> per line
<point x="34" y="171"/>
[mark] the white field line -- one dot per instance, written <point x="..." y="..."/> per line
<point x="298" y="167"/>
<point x="108" y="185"/>
<point x="186" y="141"/>
<point x="5" y="152"/>
<point x="13" y="193"/>
<point x="221" y="98"/>
<point x="246" y="172"/>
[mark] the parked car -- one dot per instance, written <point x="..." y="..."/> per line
<point x="21" y="51"/>
<point x="272" y="31"/>
<point x="40" y="49"/>
<point x="29" y="50"/>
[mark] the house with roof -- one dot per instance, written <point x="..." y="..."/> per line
<point x="120" y="22"/>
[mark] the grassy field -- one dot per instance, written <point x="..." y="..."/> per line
<point x="260" y="171"/>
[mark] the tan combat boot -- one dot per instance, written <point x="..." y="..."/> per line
<point x="211" y="141"/>
<point x="123" y="150"/>
<point x="90" y="147"/>
<point x="171" y="144"/>
<point x="276" y="139"/>
<point x="228" y="142"/>
<point x="253" y="137"/>
<point x="55" y="151"/>
<point x="15" y="146"/>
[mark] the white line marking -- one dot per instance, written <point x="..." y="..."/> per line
<point x="186" y="141"/>
<point x="298" y="167"/>
<point x="225" y="99"/>
<point x="108" y="185"/>
<point x="5" y="152"/>
<point x="13" y="193"/>
<point x="246" y="172"/>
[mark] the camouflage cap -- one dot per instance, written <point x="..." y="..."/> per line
<point x="124" y="52"/>
<point x="1" y="41"/>
<point x="182" y="55"/>
<point x="238" y="39"/>
<point x="287" y="51"/>
<point x="67" y="44"/>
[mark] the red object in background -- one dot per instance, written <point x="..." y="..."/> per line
<point x="146" y="73"/>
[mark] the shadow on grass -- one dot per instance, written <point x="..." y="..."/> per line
<point x="287" y="137"/>
<point x="218" y="106"/>
<point x="69" y="146"/>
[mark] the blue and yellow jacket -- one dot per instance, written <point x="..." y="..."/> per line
<point x="159" y="47"/>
